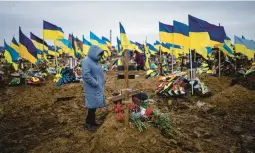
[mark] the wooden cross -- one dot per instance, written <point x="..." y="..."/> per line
<point x="126" y="95"/>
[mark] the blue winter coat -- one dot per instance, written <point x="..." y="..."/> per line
<point x="93" y="79"/>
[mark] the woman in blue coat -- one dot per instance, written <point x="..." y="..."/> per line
<point x="93" y="83"/>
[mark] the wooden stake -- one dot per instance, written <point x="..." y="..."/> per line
<point x="219" y="62"/>
<point x="191" y="73"/>
<point x="160" y="61"/>
<point x="172" y="61"/>
<point x="182" y="62"/>
<point x="126" y="87"/>
<point x="56" y="58"/>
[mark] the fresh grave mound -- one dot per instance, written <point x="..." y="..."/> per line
<point x="113" y="137"/>
<point x="214" y="83"/>
<point x="235" y="98"/>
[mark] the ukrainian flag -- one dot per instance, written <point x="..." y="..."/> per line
<point x="157" y="44"/>
<point x="11" y="55"/>
<point x="250" y="44"/>
<point x="51" y="31"/>
<point x="52" y="52"/>
<point x="227" y="48"/>
<point x="152" y="49"/>
<point x="140" y="47"/>
<point x="166" y="33"/>
<point x="245" y="47"/>
<point x="86" y="46"/>
<point x="27" y="49"/>
<point x="125" y="43"/>
<point x="60" y="51"/>
<point x="181" y="35"/>
<point x="119" y="45"/>
<point x="15" y="45"/>
<point x="109" y="44"/>
<point x="199" y="36"/>
<point x="39" y="44"/>
<point x="165" y="47"/>
<point x="103" y="45"/>
<point x="95" y="40"/>
<point x="77" y="44"/>
<point x="65" y="45"/>
<point x="217" y="35"/>
<point x="147" y="55"/>
<point x="132" y="45"/>
<point x="74" y="47"/>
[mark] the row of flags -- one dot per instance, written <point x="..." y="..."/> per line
<point x="175" y="39"/>
<point x="199" y="35"/>
<point x="35" y="49"/>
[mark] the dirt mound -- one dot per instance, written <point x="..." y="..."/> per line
<point x="113" y="137"/>
<point x="236" y="97"/>
<point x="30" y="117"/>
<point x="235" y="107"/>
<point x="214" y="83"/>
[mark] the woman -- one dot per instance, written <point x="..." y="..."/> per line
<point x="93" y="83"/>
<point x="139" y="59"/>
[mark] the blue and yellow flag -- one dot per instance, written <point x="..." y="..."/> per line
<point x="140" y="47"/>
<point x="147" y="55"/>
<point x="152" y="49"/>
<point x="181" y="35"/>
<point x="125" y="43"/>
<point x="40" y="45"/>
<point x="11" y="55"/>
<point x="86" y="46"/>
<point x="217" y="35"/>
<point x="166" y="48"/>
<point x="14" y="56"/>
<point x="51" y="31"/>
<point x="78" y="45"/>
<point x="95" y="40"/>
<point x="27" y="49"/>
<point x="157" y="45"/>
<point x="52" y="52"/>
<point x="133" y="46"/>
<point x="15" y="45"/>
<point x="250" y="44"/>
<point x="119" y="44"/>
<point x="166" y="33"/>
<point x="245" y="47"/>
<point x="75" y="47"/>
<point x="108" y="42"/>
<point x="65" y="45"/>
<point x="227" y="48"/>
<point x="199" y="36"/>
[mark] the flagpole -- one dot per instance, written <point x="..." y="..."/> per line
<point x="182" y="59"/>
<point x="172" y="61"/>
<point x="160" y="60"/>
<point x="191" y="73"/>
<point x="43" y="48"/>
<point x="219" y="61"/>
<point x="56" y="59"/>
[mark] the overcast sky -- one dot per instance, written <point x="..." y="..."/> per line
<point x="140" y="19"/>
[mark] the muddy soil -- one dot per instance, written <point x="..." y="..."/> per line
<point x="51" y="119"/>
